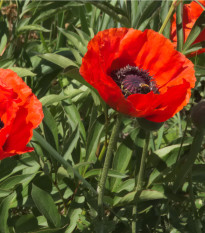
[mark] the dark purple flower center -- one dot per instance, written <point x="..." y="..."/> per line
<point x="133" y="80"/>
<point x="1" y="124"/>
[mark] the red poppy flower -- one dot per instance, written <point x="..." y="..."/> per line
<point x="138" y="73"/>
<point x="20" y="113"/>
<point x="191" y="13"/>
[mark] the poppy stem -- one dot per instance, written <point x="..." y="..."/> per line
<point x="139" y="180"/>
<point x="101" y="186"/>
<point x="174" y="4"/>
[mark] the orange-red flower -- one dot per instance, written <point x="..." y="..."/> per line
<point x="138" y="73"/>
<point x="20" y="113"/>
<point x="191" y="13"/>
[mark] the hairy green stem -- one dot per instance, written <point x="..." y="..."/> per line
<point x="180" y="36"/>
<point x="139" y="180"/>
<point x="101" y="186"/>
<point x="168" y="16"/>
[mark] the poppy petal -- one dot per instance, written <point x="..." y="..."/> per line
<point x="20" y="113"/>
<point x="171" y="71"/>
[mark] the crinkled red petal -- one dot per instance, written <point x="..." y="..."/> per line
<point x="20" y="112"/>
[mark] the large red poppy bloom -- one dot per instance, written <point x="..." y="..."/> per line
<point x="138" y="73"/>
<point x="20" y="113"/>
<point x="191" y="13"/>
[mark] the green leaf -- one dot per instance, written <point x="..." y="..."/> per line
<point x="3" y="43"/>
<point x="114" y="12"/>
<point x="46" y="206"/>
<point x="4" y="213"/>
<point x="162" y="160"/>
<point x="146" y="13"/>
<point x="51" y="99"/>
<point x="33" y="27"/>
<point x="146" y="195"/>
<point x="4" y="193"/>
<point x="74" y="218"/>
<point x="121" y="161"/>
<point x="50" y="128"/>
<point x="26" y="223"/>
<point x="22" y="72"/>
<point x="195" y="47"/>
<point x="111" y="173"/>
<point x="75" y="40"/>
<point x="70" y="144"/>
<point x="185" y="165"/>
<point x="127" y="185"/>
<point x="58" y="60"/>
<point x="11" y="182"/>
<point x="93" y="139"/>
<point x="196" y="30"/>
<point x="61" y="160"/>
<point x="200" y="70"/>
<point x="74" y="117"/>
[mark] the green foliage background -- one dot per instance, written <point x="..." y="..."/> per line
<point x="53" y="189"/>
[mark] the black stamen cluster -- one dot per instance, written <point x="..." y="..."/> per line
<point x="133" y="80"/>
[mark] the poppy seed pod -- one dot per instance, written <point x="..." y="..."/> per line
<point x="198" y="115"/>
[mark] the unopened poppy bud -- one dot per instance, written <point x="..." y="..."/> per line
<point x="149" y="125"/>
<point x="198" y="115"/>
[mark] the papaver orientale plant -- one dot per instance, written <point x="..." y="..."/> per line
<point x="21" y="112"/>
<point x="138" y="73"/>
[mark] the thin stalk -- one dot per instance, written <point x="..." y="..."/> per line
<point x="180" y="36"/>
<point x="171" y="9"/>
<point x="179" y="124"/>
<point x="197" y="223"/>
<point x="101" y="186"/>
<point x="139" y="180"/>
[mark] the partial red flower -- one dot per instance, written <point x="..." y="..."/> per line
<point x="138" y="73"/>
<point x="20" y="113"/>
<point x="191" y="13"/>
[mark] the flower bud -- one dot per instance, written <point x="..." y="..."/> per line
<point x="149" y="125"/>
<point x="198" y="115"/>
